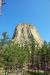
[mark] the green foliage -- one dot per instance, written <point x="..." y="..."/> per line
<point x="14" y="54"/>
<point x="22" y="55"/>
<point x="3" y="43"/>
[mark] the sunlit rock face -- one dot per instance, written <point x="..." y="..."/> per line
<point x="24" y="33"/>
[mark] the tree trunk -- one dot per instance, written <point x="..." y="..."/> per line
<point x="6" y="73"/>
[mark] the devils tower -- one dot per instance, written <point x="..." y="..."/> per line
<point x="25" y="33"/>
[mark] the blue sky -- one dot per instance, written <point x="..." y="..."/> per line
<point x="36" y="12"/>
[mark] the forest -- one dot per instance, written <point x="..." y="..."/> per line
<point x="24" y="60"/>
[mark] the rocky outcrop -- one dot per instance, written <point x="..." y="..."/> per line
<point x="24" y="33"/>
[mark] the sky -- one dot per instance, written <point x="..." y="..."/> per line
<point x="35" y="12"/>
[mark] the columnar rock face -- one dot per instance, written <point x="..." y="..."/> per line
<point x="25" y="33"/>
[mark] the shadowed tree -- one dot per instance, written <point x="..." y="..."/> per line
<point x="44" y="57"/>
<point x="3" y="43"/>
<point x="4" y="40"/>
